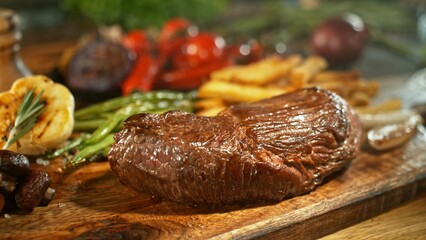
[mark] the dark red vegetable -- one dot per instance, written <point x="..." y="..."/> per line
<point x="246" y="53"/>
<point x="181" y="58"/>
<point x="176" y="28"/>
<point x="340" y="40"/>
<point x="204" y="48"/>
<point x="143" y="75"/>
<point x="136" y="41"/>
<point x="99" y="67"/>
<point x="189" y="78"/>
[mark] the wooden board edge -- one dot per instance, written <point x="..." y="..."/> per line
<point x="346" y="216"/>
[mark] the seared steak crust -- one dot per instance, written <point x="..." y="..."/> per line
<point x="267" y="150"/>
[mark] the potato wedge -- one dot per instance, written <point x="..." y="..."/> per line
<point x="331" y="76"/>
<point x="210" y="112"/>
<point x="233" y="92"/>
<point x="258" y="73"/>
<point x="303" y="74"/>
<point x="9" y="105"/>
<point x="210" y="103"/>
<point x="386" y="106"/>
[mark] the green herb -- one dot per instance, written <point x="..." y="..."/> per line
<point x="29" y="110"/>
<point x="132" y="14"/>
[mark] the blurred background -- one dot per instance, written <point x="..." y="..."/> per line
<point x="397" y="27"/>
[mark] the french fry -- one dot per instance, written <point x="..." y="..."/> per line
<point x="210" y="112"/>
<point x="304" y="73"/>
<point x="210" y="103"/>
<point x="233" y="92"/>
<point x="258" y="73"/>
<point x="331" y="76"/>
<point x="359" y="98"/>
<point x="275" y="76"/>
<point x="370" y="87"/>
<point x="386" y="106"/>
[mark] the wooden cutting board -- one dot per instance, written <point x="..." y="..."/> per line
<point x="92" y="204"/>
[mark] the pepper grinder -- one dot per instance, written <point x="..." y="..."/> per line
<point x="11" y="65"/>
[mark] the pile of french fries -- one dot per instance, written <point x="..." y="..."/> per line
<point x="275" y="75"/>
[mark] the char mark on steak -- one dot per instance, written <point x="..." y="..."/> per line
<point x="251" y="152"/>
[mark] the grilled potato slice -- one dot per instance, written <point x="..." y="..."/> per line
<point x="9" y="104"/>
<point x="54" y="125"/>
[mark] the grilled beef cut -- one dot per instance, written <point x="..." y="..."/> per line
<point x="251" y="152"/>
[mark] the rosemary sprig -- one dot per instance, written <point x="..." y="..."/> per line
<point x="29" y="110"/>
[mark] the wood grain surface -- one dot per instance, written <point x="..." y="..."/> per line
<point x="399" y="223"/>
<point x="92" y="204"/>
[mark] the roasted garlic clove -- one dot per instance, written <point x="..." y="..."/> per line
<point x="393" y="135"/>
<point x="55" y="124"/>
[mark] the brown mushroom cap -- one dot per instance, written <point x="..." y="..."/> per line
<point x="7" y="182"/>
<point x="31" y="190"/>
<point x="14" y="164"/>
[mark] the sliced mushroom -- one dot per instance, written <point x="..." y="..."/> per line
<point x="7" y="182"/>
<point x="32" y="189"/>
<point x="14" y="164"/>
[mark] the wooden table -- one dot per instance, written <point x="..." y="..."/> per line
<point x="408" y="221"/>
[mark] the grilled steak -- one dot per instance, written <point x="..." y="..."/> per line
<point x="267" y="150"/>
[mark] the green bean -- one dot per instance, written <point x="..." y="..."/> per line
<point x="118" y="102"/>
<point x="107" y="117"/>
<point x="102" y="107"/>
<point x="72" y="144"/>
<point x="91" y="150"/>
<point x="88" y="125"/>
<point x="105" y="128"/>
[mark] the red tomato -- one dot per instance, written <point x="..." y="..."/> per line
<point x="172" y="29"/>
<point x="201" y="49"/>
<point x="246" y="53"/>
<point x="189" y="78"/>
<point x="136" y="40"/>
<point x="143" y="75"/>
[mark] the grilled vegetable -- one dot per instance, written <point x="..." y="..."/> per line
<point x="51" y="128"/>
<point x="340" y="40"/>
<point x="29" y="111"/>
<point x="95" y="139"/>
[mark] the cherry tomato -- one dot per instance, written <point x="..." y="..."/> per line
<point x="201" y="49"/>
<point x="174" y="28"/>
<point x="246" y="53"/>
<point x="136" y="41"/>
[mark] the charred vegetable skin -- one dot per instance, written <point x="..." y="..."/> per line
<point x="97" y="123"/>
<point x="181" y="58"/>
<point x="21" y="186"/>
